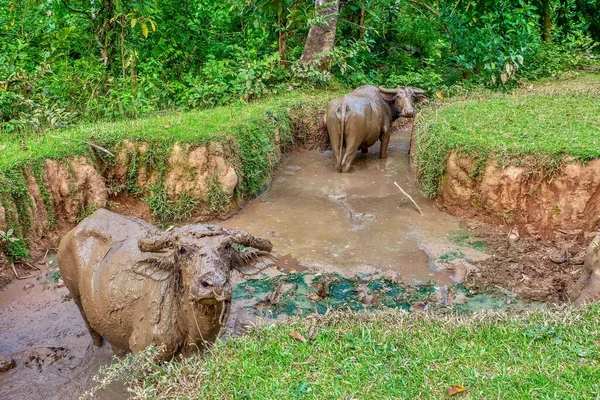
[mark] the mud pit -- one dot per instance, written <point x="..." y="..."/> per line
<point x="322" y="223"/>
<point x="353" y="223"/>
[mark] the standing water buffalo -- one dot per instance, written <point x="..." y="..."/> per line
<point x="136" y="285"/>
<point x="357" y="120"/>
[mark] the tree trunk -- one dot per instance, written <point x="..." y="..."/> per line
<point x="361" y="23"/>
<point x="282" y="42"/>
<point x="102" y="18"/>
<point x="547" y="21"/>
<point x="321" y="36"/>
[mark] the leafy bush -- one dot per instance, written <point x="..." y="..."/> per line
<point x="58" y="66"/>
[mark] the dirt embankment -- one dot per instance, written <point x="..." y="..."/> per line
<point x="541" y="205"/>
<point x="201" y="179"/>
<point x="70" y="189"/>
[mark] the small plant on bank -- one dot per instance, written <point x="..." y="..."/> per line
<point x="8" y="237"/>
<point x="15" y="247"/>
<point x="165" y="209"/>
<point x="85" y="211"/>
<point x="218" y="199"/>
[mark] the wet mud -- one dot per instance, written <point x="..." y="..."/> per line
<point x="353" y="223"/>
<point x="43" y="334"/>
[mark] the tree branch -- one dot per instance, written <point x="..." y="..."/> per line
<point x="425" y="6"/>
<point x="75" y="10"/>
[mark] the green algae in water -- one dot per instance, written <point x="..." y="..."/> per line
<point x="450" y="256"/>
<point x="300" y="296"/>
<point x="464" y="239"/>
<point x="252" y="288"/>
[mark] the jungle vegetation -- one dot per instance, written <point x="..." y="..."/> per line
<point x="67" y="61"/>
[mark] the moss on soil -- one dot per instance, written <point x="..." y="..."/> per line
<point x="550" y="121"/>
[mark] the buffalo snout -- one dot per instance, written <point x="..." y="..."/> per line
<point x="211" y="286"/>
<point x="407" y="108"/>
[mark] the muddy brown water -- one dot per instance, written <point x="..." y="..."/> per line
<point x="352" y="223"/>
<point x="317" y="219"/>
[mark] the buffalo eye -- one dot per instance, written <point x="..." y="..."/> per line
<point x="227" y="246"/>
<point x="182" y="250"/>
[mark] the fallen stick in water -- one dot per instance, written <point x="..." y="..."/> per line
<point x="27" y="264"/>
<point x="15" y="272"/>
<point x="410" y="198"/>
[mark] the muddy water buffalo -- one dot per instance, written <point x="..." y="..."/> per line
<point x="590" y="275"/>
<point x="136" y="285"/>
<point x="357" y="120"/>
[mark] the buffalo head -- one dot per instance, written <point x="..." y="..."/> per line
<point x="204" y="255"/>
<point x="402" y="99"/>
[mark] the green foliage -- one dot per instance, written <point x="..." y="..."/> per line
<point x="170" y="210"/>
<point x="13" y="245"/>
<point x="38" y="173"/>
<point x="113" y="60"/>
<point x="8" y="237"/>
<point x="17" y="250"/>
<point x="257" y="153"/>
<point x="85" y="211"/>
<point x="217" y="199"/>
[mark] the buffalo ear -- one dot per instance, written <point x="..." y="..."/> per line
<point x="155" y="268"/>
<point x="388" y="97"/>
<point x="252" y="261"/>
<point x="420" y="98"/>
<point x="418" y="95"/>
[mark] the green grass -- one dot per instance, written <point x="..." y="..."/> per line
<point x="389" y="355"/>
<point x="551" y="121"/>
<point x="191" y="127"/>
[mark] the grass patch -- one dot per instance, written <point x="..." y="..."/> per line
<point x="85" y="211"/>
<point x="199" y="127"/>
<point x="170" y="210"/>
<point x="547" y="122"/>
<point x="391" y="354"/>
<point x="217" y="199"/>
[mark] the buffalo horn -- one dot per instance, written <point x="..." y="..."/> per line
<point x="249" y="240"/>
<point x="418" y="91"/>
<point x="387" y="91"/>
<point x="156" y="242"/>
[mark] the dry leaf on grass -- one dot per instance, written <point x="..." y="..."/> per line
<point x="297" y="336"/>
<point x="455" y="389"/>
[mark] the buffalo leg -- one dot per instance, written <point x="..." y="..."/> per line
<point x="385" y="140"/>
<point x="96" y="337"/>
<point x="591" y="291"/>
<point x="351" y="149"/>
<point x="583" y="279"/>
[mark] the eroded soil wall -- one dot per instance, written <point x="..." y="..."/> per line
<point x="195" y="182"/>
<point x="541" y="204"/>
